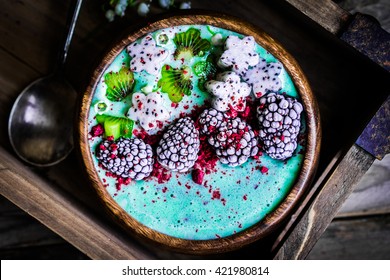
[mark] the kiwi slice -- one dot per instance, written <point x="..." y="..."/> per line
<point x="176" y="82"/>
<point x="190" y="44"/>
<point x="205" y="70"/>
<point x="119" y="84"/>
<point x="101" y="107"/>
<point x="116" y="126"/>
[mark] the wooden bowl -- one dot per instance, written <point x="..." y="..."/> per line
<point x="303" y="180"/>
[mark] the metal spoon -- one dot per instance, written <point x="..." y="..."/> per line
<point x="40" y="124"/>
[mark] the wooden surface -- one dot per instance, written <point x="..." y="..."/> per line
<point x="326" y="13"/>
<point x="23" y="237"/>
<point x="372" y="194"/>
<point x="304" y="178"/>
<point x="30" y="33"/>
<point x="360" y="238"/>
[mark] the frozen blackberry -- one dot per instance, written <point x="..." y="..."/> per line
<point x="280" y="121"/>
<point x="126" y="158"/>
<point x="234" y="142"/>
<point x="210" y="120"/>
<point x="178" y="149"/>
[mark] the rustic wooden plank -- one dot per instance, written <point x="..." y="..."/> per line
<point x="324" y="12"/>
<point x="23" y="237"/>
<point x="366" y="35"/>
<point x="318" y="214"/>
<point x="68" y="175"/>
<point x="33" y="33"/>
<point x="63" y="214"/>
<point x="364" y="238"/>
<point x="18" y="230"/>
<point x="63" y="251"/>
<point x="14" y="76"/>
<point x="375" y="136"/>
<point x="372" y="194"/>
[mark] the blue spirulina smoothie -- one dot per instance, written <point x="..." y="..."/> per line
<point x="230" y="199"/>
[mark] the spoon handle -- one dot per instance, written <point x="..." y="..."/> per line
<point x="70" y="24"/>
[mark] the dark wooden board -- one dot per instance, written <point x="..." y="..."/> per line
<point x="18" y="230"/>
<point x="371" y="196"/>
<point x="29" y="36"/>
<point x="362" y="238"/>
<point x="23" y="237"/>
<point x="63" y="251"/>
<point x="326" y="13"/>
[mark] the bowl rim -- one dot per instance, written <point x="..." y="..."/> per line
<point x="301" y="184"/>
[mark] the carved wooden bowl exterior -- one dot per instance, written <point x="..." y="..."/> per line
<point x="304" y="178"/>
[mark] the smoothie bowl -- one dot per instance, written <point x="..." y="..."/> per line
<point x="199" y="133"/>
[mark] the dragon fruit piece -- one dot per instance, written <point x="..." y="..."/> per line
<point x="229" y="92"/>
<point x="146" y="56"/>
<point x="147" y="109"/>
<point x="239" y="54"/>
<point x="264" y="77"/>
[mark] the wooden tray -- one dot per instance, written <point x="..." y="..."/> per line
<point x="60" y="197"/>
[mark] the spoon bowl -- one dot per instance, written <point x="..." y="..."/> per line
<point x="40" y="124"/>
